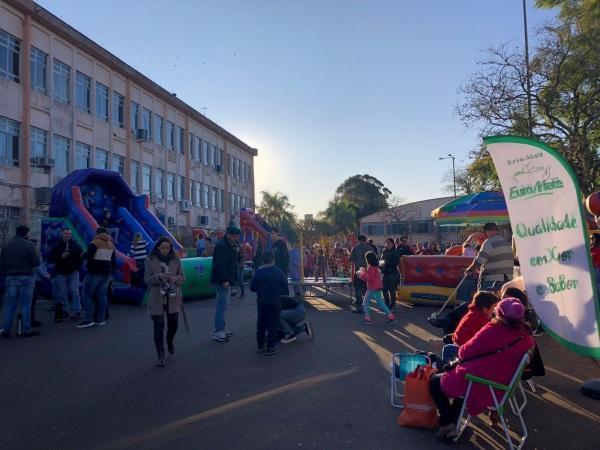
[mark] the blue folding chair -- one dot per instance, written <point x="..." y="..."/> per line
<point x="402" y="364"/>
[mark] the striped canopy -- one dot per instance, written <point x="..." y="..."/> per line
<point x="473" y="209"/>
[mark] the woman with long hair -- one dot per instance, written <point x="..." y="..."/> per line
<point x="164" y="277"/>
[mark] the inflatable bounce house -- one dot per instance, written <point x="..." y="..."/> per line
<point x="81" y="200"/>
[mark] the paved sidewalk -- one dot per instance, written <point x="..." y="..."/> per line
<point x="98" y="388"/>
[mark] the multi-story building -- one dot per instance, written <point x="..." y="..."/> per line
<point x="66" y="103"/>
<point x="411" y="219"/>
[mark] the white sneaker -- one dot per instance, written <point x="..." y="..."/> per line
<point x="220" y="336"/>
<point x="100" y="324"/>
<point x="288" y="339"/>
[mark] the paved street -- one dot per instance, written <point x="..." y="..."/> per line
<point x="99" y="388"/>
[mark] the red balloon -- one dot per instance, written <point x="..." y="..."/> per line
<point x="592" y="203"/>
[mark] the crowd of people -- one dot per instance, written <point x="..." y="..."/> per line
<point x="486" y="336"/>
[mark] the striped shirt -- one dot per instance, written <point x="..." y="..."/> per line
<point x="138" y="251"/>
<point x="495" y="259"/>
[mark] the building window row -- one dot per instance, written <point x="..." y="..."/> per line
<point x="10" y="54"/>
<point x="238" y="169"/>
<point x="10" y="142"/>
<point x="39" y="62"/>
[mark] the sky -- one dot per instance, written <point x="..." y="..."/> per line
<point x="324" y="89"/>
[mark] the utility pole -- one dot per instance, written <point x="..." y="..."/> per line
<point x="527" y="72"/>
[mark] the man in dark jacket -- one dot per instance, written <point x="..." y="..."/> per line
<point x="223" y="275"/>
<point x="18" y="260"/>
<point x="403" y="248"/>
<point x="269" y="283"/>
<point x="357" y="257"/>
<point x="280" y="251"/>
<point x="101" y="263"/>
<point x="66" y="256"/>
<point x="391" y="276"/>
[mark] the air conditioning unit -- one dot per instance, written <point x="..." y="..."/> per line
<point x="185" y="205"/>
<point x="141" y="134"/>
<point x="170" y="220"/>
<point x="43" y="195"/>
<point x="202" y="220"/>
<point x="219" y="168"/>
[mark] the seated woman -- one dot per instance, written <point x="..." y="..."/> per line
<point x="493" y="353"/>
<point x="480" y="313"/>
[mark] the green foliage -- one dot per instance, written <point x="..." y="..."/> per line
<point x="276" y="210"/>
<point x="341" y="216"/>
<point x="364" y="193"/>
<point x="565" y="92"/>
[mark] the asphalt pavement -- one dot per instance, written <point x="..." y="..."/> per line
<point x="99" y="388"/>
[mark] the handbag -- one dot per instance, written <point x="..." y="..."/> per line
<point x="419" y="409"/>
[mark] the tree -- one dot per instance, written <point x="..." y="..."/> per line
<point x="565" y="92"/>
<point x="275" y="208"/>
<point x="396" y="213"/>
<point x="365" y="193"/>
<point x="465" y="182"/>
<point x="341" y="215"/>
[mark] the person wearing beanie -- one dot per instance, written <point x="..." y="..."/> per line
<point x="18" y="259"/>
<point x="223" y="275"/>
<point x="493" y="353"/>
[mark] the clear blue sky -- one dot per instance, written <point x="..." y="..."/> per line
<point x="324" y="89"/>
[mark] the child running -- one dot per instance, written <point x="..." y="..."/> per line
<point x="372" y="276"/>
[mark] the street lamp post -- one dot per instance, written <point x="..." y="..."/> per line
<point x="452" y="157"/>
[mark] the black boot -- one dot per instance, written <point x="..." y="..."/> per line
<point x="58" y="313"/>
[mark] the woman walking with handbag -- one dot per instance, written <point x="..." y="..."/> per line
<point x="164" y="277"/>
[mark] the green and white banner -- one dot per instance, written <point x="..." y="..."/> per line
<point x="546" y="214"/>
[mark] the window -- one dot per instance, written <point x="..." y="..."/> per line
<point x="181" y="134"/>
<point x="222" y="200"/>
<point x="198" y="197"/>
<point x="10" y="52"/>
<point x="135" y="176"/>
<point x="198" y="150"/>
<point x="374" y="229"/>
<point x="214" y="156"/>
<point x="192" y="187"/>
<point x="118" y="110"/>
<point x="83" y="94"/>
<point x="229" y="164"/>
<point x="244" y="172"/>
<point x="62" y="82"/>
<point x="158" y="183"/>
<point x="206" y="153"/>
<point x="101" y="101"/>
<point x="10" y="137"/>
<point x="135" y="116"/>
<point x="159" y="129"/>
<point x="181" y="191"/>
<point x="60" y="153"/>
<point x="82" y="156"/>
<point x="221" y="157"/>
<point x="39" y="142"/>
<point x="191" y="144"/>
<point x="38" y="64"/>
<point x="170" y="135"/>
<point x="422" y="226"/>
<point x="147" y="121"/>
<point x="147" y="179"/>
<point x="101" y="159"/>
<point x="213" y="198"/>
<point x="170" y="187"/>
<point x="117" y="164"/>
<point x="206" y="202"/>
<point x="231" y="201"/>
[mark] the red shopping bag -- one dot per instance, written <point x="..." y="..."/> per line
<point x="419" y="409"/>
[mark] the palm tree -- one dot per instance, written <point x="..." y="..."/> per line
<point x="276" y="208"/>
<point x="341" y="216"/>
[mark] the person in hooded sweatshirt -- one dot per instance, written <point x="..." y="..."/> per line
<point x="269" y="283"/>
<point x="101" y="263"/>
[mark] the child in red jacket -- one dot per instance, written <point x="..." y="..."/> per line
<point x="374" y="287"/>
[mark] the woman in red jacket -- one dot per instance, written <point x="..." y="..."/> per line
<point x="493" y="353"/>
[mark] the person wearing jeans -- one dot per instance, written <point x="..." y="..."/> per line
<point x="292" y="319"/>
<point x="66" y="256"/>
<point x="18" y="260"/>
<point x="223" y="275"/>
<point x="101" y="264"/>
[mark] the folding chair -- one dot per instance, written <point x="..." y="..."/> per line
<point x="402" y="364"/>
<point x="509" y="391"/>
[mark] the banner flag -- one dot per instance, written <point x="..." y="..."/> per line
<point x="546" y="214"/>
